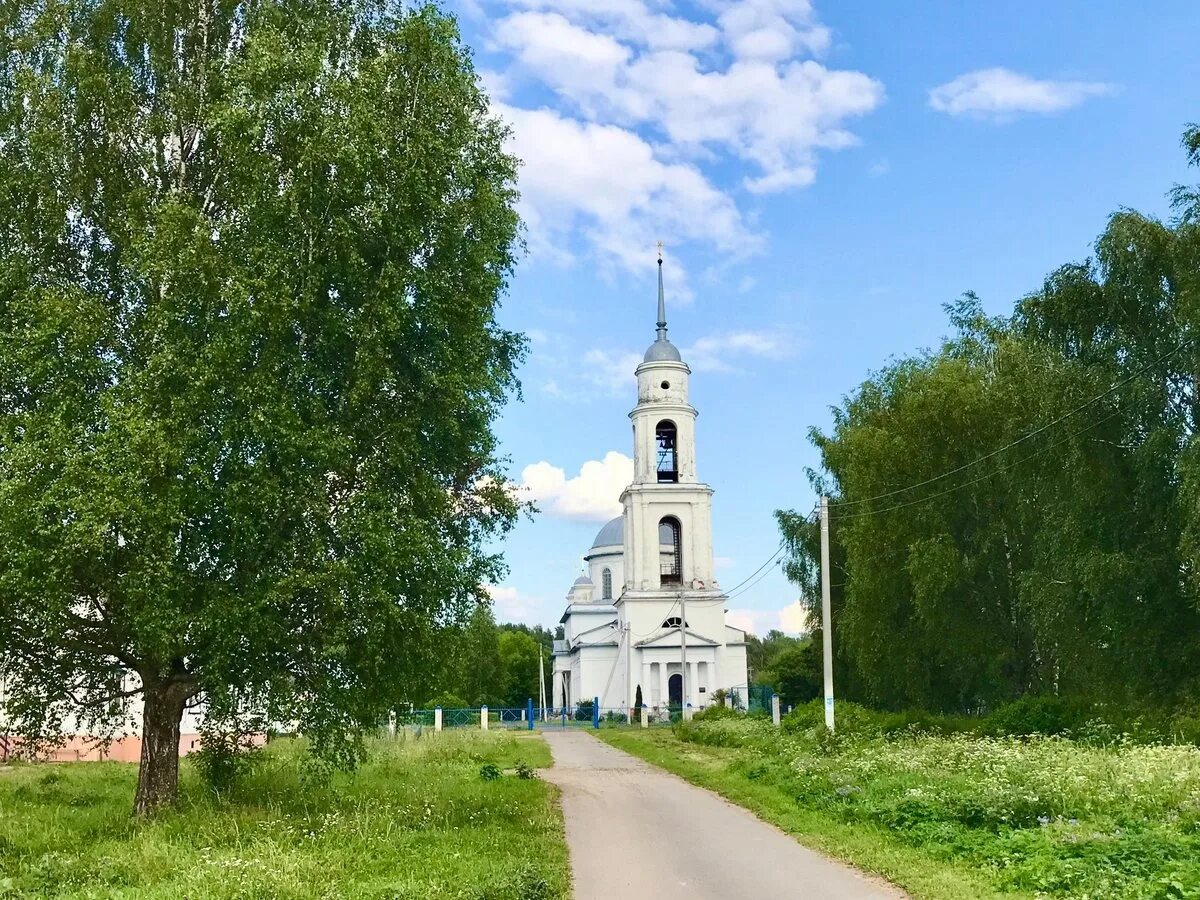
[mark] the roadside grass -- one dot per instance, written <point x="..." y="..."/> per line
<point x="959" y="816"/>
<point x="416" y="821"/>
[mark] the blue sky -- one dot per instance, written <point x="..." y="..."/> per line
<point x="824" y="176"/>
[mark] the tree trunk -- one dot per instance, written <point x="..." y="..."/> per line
<point x="158" y="771"/>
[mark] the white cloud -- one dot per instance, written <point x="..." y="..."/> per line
<point x="513" y="606"/>
<point x="792" y="619"/>
<point x="605" y="183"/>
<point x="638" y="95"/>
<point x="594" y="495"/>
<point x="1001" y="94"/>
<point x="716" y="353"/>
<point x="612" y="372"/>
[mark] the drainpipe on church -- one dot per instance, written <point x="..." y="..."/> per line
<point x="686" y="712"/>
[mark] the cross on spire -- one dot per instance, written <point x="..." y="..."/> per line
<point x="662" y="303"/>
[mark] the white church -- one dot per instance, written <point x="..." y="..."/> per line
<point x="649" y="604"/>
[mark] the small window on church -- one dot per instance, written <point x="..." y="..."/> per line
<point x="606" y="584"/>
<point x="671" y="622"/>
<point x="671" y="538"/>
<point x="668" y="458"/>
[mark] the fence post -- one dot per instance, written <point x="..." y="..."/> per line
<point x="483" y="716"/>
<point x="645" y="718"/>
<point x="595" y="712"/>
<point x="775" y="710"/>
<point x="529" y="713"/>
<point x="437" y="718"/>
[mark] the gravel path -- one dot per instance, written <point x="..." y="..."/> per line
<point x="635" y="831"/>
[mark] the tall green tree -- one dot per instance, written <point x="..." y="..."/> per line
<point x="250" y="264"/>
<point x="1016" y="512"/>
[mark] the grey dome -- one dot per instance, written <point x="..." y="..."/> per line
<point x="660" y="351"/>
<point x="612" y="533"/>
<point x="583" y="580"/>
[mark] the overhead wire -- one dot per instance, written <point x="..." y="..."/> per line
<point x="984" y="477"/>
<point x="1078" y="409"/>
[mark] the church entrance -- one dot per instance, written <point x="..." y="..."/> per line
<point x="675" y="690"/>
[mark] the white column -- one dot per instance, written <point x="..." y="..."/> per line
<point x="775" y="709"/>
<point x="483" y="716"/>
<point x="645" y="718"/>
<point x="437" y="719"/>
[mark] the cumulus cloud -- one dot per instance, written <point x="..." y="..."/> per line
<point x="593" y="495"/>
<point x="1001" y="94"/>
<point x="718" y="353"/>
<point x="512" y="606"/>
<point x="607" y="184"/>
<point x="637" y="101"/>
<point x="791" y="619"/>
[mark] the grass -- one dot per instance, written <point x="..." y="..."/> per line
<point x="959" y="816"/>
<point x="416" y="821"/>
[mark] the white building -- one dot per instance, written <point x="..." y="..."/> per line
<point x="622" y="625"/>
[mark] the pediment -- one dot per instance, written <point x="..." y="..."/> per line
<point x="669" y="637"/>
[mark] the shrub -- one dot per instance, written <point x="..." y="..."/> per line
<point x="1047" y="715"/>
<point x="449" y="701"/>
<point x="710" y="713"/>
<point x="615" y="718"/>
<point x="583" y="711"/>
<point x="525" y="770"/>
<point x="490" y="772"/>
<point x="225" y="760"/>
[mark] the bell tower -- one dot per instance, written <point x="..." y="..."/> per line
<point x="668" y="538"/>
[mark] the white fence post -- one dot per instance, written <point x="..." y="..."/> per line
<point x="437" y="718"/>
<point x="483" y="716"/>
<point x="645" y="718"/>
<point x="775" y="709"/>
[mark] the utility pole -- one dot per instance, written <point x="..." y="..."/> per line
<point x="826" y="619"/>
<point x="683" y="653"/>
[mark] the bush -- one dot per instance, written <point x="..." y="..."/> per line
<point x="490" y="772"/>
<point x="613" y="717"/>
<point x="449" y="701"/>
<point x="710" y="713"/>
<point x="1047" y="715"/>
<point x="583" y="712"/>
<point x="525" y="770"/>
<point x="225" y="760"/>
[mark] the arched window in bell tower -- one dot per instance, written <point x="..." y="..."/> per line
<point x="670" y="536"/>
<point x="606" y="584"/>
<point x="666" y="443"/>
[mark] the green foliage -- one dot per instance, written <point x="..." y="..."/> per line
<point x="716" y="711"/>
<point x="225" y="761"/>
<point x="413" y="821"/>
<point x="525" y="770"/>
<point x="490" y="772"/>
<point x="448" y="701"/>
<point x="250" y="266"/>
<point x="583" y="710"/>
<point x="1065" y="564"/>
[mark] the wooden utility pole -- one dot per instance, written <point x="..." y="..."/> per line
<point x="826" y="619"/>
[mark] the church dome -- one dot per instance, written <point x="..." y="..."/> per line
<point x="612" y="533"/>
<point x="583" y="581"/>
<point x="662" y="350"/>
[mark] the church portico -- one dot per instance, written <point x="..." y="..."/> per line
<point x="651" y="568"/>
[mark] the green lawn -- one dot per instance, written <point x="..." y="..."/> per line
<point x="416" y="821"/>
<point x="956" y="817"/>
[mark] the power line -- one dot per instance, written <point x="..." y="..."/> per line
<point x="754" y="583"/>
<point x="770" y="559"/>
<point x="1022" y="439"/>
<point x="984" y="477"/>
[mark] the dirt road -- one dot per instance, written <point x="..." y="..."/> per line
<point x="636" y="832"/>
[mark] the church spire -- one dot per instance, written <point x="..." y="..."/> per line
<point x="662" y="303"/>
